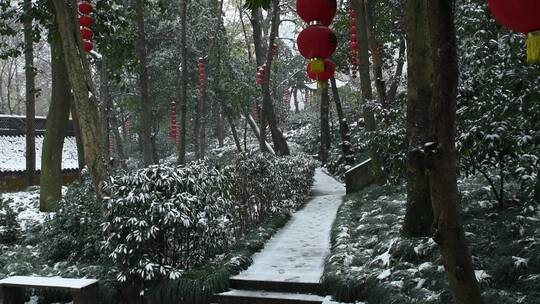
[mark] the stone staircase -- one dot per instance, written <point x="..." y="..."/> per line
<point x="288" y="269"/>
<point x="270" y="292"/>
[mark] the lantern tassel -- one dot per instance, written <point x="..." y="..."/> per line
<point x="533" y="47"/>
<point x="317" y="65"/>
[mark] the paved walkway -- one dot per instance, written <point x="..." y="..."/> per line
<point x="297" y="253"/>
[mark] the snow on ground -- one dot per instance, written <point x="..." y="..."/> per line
<point x="297" y="253"/>
<point x="26" y="205"/>
<point x="13" y="153"/>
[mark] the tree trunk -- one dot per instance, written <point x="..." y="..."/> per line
<point x="220" y="132"/>
<point x="376" y="53"/>
<point x="280" y="143"/>
<point x="296" y="103"/>
<point x="78" y="136"/>
<point x="257" y="133"/>
<point x="537" y="188"/>
<point x="260" y="58"/>
<point x="146" y="109"/>
<point x="346" y="146"/>
<point x="419" y="216"/>
<point x="325" y="127"/>
<point x="118" y="138"/>
<point x="106" y="101"/>
<point x="449" y="235"/>
<point x="182" y="98"/>
<point x="200" y="127"/>
<point x="392" y="92"/>
<point x="83" y="90"/>
<point x="57" y="125"/>
<point x="233" y="131"/>
<point x="30" y="94"/>
<point x="367" y="91"/>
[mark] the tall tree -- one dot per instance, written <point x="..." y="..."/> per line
<point x="57" y="125"/>
<point x="86" y="105"/>
<point x="449" y="235"/>
<point x="325" y="125"/>
<point x="367" y="91"/>
<point x="264" y="55"/>
<point x="146" y="109"/>
<point x="419" y="215"/>
<point x="182" y="98"/>
<point x="376" y="52"/>
<point x="280" y="143"/>
<point x="346" y="145"/>
<point x="260" y="57"/>
<point x="30" y="93"/>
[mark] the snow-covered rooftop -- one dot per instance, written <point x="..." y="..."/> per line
<point x="13" y="153"/>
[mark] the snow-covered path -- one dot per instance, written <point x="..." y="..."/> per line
<point x="297" y="253"/>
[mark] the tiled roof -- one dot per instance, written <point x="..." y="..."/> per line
<point x="13" y="153"/>
<point x="11" y="125"/>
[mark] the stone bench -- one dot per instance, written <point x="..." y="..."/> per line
<point x="84" y="291"/>
<point x="359" y="177"/>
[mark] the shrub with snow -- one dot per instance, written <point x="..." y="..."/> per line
<point x="74" y="232"/>
<point x="9" y="227"/>
<point x="162" y="221"/>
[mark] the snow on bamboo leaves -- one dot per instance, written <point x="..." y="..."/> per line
<point x="317" y="42"/>
<point x="521" y="16"/>
<point x="86" y="21"/>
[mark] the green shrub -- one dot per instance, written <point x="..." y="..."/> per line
<point x="10" y="231"/>
<point x="74" y="233"/>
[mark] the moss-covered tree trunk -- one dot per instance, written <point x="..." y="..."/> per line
<point x="346" y="145"/>
<point x="419" y="215"/>
<point x="367" y="91"/>
<point x="449" y="233"/>
<point x="57" y="125"/>
<point x="30" y="93"/>
<point x="324" y="125"/>
<point x="146" y="109"/>
<point x="83" y="90"/>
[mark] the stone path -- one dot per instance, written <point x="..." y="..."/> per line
<point x="289" y="268"/>
<point x="297" y="253"/>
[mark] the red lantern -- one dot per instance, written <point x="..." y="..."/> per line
<point x="87" y="33"/>
<point x="329" y="70"/>
<point x="86" y="21"/>
<point x="354" y="38"/>
<point x="521" y="16"/>
<point x="88" y="46"/>
<point x="317" y="42"/>
<point x="86" y="8"/>
<point x="353" y="29"/>
<point x="275" y="50"/>
<point x="354" y="45"/>
<point x="322" y="11"/>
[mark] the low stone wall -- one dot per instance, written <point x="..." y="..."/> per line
<point x="359" y="177"/>
<point x="16" y="181"/>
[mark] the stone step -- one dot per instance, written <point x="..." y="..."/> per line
<point x="236" y="296"/>
<point x="275" y="286"/>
